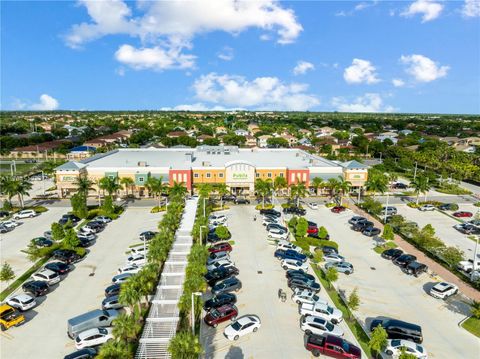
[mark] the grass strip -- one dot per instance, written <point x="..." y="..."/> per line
<point x="352" y="323"/>
<point x="12" y="287"/>
<point x="388" y="245"/>
<point x="472" y="325"/>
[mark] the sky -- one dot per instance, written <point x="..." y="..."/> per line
<point x="419" y="56"/>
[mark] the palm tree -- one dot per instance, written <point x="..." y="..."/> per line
<point x="126" y="327"/>
<point x="178" y="189"/>
<point x="147" y="279"/>
<point x="264" y="188"/>
<point x="279" y="183"/>
<point x="298" y="191"/>
<point x="130" y="294"/>
<point x="8" y="187"/>
<point x="332" y="185"/>
<point x="420" y="185"/>
<point x="222" y="190"/>
<point x="155" y="187"/>
<point x="377" y="182"/>
<point x="21" y="189"/>
<point x="127" y="183"/>
<point x="84" y="185"/>
<point x="185" y="345"/>
<point x="109" y="184"/>
<point x="204" y="190"/>
<point x="317" y="183"/>
<point x="113" y="350"/>
<point x="343" y="187"/>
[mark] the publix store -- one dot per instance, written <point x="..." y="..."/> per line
<point x="238" y="168"/>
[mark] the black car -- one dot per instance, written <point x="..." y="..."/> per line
<point x="42" y="242"/>
<point x="276" y="226"/>
<point x="219" y="300"/>
<point x="327" y="249"/>
<point x="295" y="283"/>
<point x="147" y="235"/>
<point x="212" y="237"/>
<point x="270" y="212"/>
<point x="371" y="231"/>
<point x="448" y="207"/>
<point x="360" y="226"/>
<point x="69" y="217"/>
<point x="296" y="273"/>
<point x="113" y="289"/>
<point x="415" y="268"/>
<point x="241" y="200"/>
<point x="404" y="260"/>
<point x="219" y="274"/>
<point x="95" y="226"/>
<point x="399" y="185"/>
<point x="398" y="329"/>
<point x="315" y="235"/>
<point x="58" y="267"/>
<point x="392" y="253"/>
<point x="85" y="242"/>
<point x="227" y="285"/>
<point x="37" y="288"/>
<point x="229" y="197"/>
<point x="67" y="256"/>
<point x="85" y="353"/>
<point x="4" y="214"/>
<point x="295" y="210"/>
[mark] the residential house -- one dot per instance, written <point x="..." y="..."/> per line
<point x="292" y="140"/>
<point x="221" y="130"/>
<point x="242" y="132"/>
<point x="202" y="138"/>
<point x="81" y="152"/>
<point x="305" y="142"/>
<point x="251" y="141"/>
<point x="176" y="134"/>
<point x="262" y="141"/>
<point x="325" y="131"/>
<point x="40" y="150"/>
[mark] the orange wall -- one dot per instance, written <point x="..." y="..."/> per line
<point x="214" y="176"/>
<point x="263" y="173"/>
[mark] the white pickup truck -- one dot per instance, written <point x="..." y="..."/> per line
<point x="467" y="266"/>
<point x="322" y="310"/>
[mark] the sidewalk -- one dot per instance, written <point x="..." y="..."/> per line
<point x="433" y="266"/>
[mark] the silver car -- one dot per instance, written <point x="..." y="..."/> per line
<point x="342" y="267"/>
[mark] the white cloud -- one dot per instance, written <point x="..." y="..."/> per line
<point x="47" y="103"/>
<point x="429" y="9"/>
<point x="302" y="67"/>
<point x="365" y="5"/>
<point x="369" y="102"/>
<point x="226" y="54"/>
<point x="398" y="82"/>
<point x="361" y="71"/>
<point x="196" y="107"/>
<point x="422" y="68"/>
<point x="260" y="93"/>
<point x="471" y="8"/>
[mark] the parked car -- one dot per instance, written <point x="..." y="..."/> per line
<point x="276" y="226"/>
<point x="389" y="211"/>
<point x="42" y="242"/>
<point x="397" y="329"/>
<point x="220" y="247"/>
<point x="11" y="224"/>
<point x="120" y="278"/>
<point x="47" y="275"/>
<point x="37" y="288"/>
<point x="93" y="337"/>
<point x="48" y="235"/>
<point x="221" y="218"/>
<point x="448" y="207"/>
<point x="5" y="229"/>
<point x="290" y="254"/>
<point x="229" y="197"/>
<point x="104" y="219"/>
<point x="137" y="259"/>
<point x="338" y="209"/>
<point x="270" y="220"/>
<point x="241" y="200"/>
<point x="443" y="290"/>
<point x="91" y="237"/>
<point x="219" y="264"/>
<point x="67" y="256"/>
<point x="85" y="242"/>
<point x="467" y="228"/>
<point x="361" y="225"/>
<point x="113" y="289"/>
<point x="399" y="185"/>
<point x="294" y="210"/>
<point x="463" y="214"/>
<point x="371" y="231"/>
<point x="58" y="267"/>
<point x="270" y="211"/>
<point x="392" y="253"/>
<point x="301" y="296"/>
<point x="147" y="235"/>
<point x="227" y="285"/>
<point x="356" y="219"/>
<point x="27" y="213"/>
<point x="427" y="207"/>
<point x="95" y="226"/>
<point x="396" y="346"/>
<point x="93" y="319"/>
<point x="312" y="205"/>
<point x="302" y="283"/>
<point x="69" y="217"/>
<point x="322" y="310"/>
<point x="221" y="314"/>
<point x="219" y="274"/>
<point x="217" y="256"/>
<point x="22" y="302"/>
<point x="331" y="346"/>
<point x="333" y="257"/>
<point x="111" y="302"/>
<point x="243" y="326"/>
<point x="285" y="245"/>
<point x="294" y="264"/>
<point x="320" y="326"/>
<point x="467" y="266"/>
<point x="4" y="214"/>
<point x="327" y="249"/>
<point x="342" y="267"/>
<point x="415" y="268"/>
<point x="219" y="300"/>
<point x="85" y="353"/>
<point x="277" y="234"/>
<point x="10" y="317"/>
<point x="404" y="260"/>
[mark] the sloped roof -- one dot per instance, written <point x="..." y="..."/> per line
<point x="353" y="164"/>
<point x="70" y="166"/>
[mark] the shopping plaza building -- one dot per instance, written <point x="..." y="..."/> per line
<point x="237" y="167"/>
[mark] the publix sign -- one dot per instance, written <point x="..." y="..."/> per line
<point x="240" y="176"/>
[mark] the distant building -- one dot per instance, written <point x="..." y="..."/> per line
<point x="262" y="141"/>
<point x="41" y="150"/>
<point x="241" y="132"/>
<point x="81" y="152"/>
<point x="176" y="134"/>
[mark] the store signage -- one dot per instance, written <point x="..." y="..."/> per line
<point x="240" y="176"/>
<point x="68" y="178"/>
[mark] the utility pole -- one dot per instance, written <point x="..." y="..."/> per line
<point x="386" y="210"/>
<point x="415" y="172"/>
<point x="475" y="255"/>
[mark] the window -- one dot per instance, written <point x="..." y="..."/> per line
<point x="195" y="175"/>
<point x="208" y="175"/>
<point x="292" y="177"/>
<point x="257" y="174"/>
<point x="281" y="174"/>
<point x="141" y="179"/>
<point x="269" y="175"/>
<point x="184" y="177"/>
<point x="111" y="177"/>
<point x="220" y="175"/>
<point x="304" y="177"/>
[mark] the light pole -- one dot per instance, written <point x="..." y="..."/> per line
<point x="43" y="183"/>
<point x="198" y="294"/>
<point x="201" y="237"/>
<point x="204" y="198"/>
<point x="475" y="254"/>
<point x="415" y="172"/>
<point x="386" y="210"/>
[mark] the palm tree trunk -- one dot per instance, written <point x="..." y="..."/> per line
<point x="263" y="201"/>
<point x="418" y="195"/>
<point x="20" y="200"/>
<point x="221" y="202"/>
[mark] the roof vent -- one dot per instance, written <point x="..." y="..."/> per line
<point x="142" y="164"/>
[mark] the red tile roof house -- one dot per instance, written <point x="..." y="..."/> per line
<point x="175" y="134"/>
<point x="39" y="150"/>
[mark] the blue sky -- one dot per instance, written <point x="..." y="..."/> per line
<point x="372" y="56"/>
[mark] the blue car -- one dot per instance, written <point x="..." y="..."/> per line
<point x="290" y="254"/>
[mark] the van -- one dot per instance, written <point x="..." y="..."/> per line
<point x="9" y="317"/>
<point x="93" y="319"/>
<point x="398" y="329"/>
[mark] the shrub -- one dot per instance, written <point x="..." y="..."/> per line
<point x="222" y="232"/>
<point x="39" y="209"/>
<point x="292" y="222"/>
<point x="301" y="227"/>
<point x="318" y="256"/>
<point x="329" y="205"/>
<point x="322" y="232"/>
<point x="388" y="232"/>
<point x="477" y="204"/>
<point x="267" y="206"/>
<point x="7" y="206"/>
<point x="302" y="243"/>
<point x="323" y="243"/>
<point x="372" y="206"/>
<point x="452" y="255"/>
<point x="57" y="231"/>
<point x="158" y="209"/>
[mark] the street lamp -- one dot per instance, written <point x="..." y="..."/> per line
<point x="386" y="210"/>
<point x="201" y="237"/>
<point x="204" y="198"/>
<point x="198" y="294"/>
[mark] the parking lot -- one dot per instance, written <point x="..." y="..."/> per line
<point x="44" y="335"/>
<point x="261" y="276"/>
<point x="11" y="243"/>
<point x="443" y="225"/>
<point x="385" y="291"/>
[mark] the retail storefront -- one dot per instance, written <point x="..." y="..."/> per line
<point x="240" y="177"/>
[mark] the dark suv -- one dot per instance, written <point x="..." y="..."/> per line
<point x="361" y="225"/>
<point x="397" y="329"/>
<point x="69" y="217"/>
<point x="295" y="210"/>
<point x="67" y="256"/>
<point x="303" y="283"/>
<point x="241" y="200"/>
<point x="36" y="287"/>
<point x="415" y="268"/>
<point x="227" y="285"/>
<point x="270" y="212"/>
<point x="404" y="260"/>
<point x="219" y="274"/>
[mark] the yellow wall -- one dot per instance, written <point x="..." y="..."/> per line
<point x="263" y="173"/>
<point x="357" y="178"/>
<point x="214" y="176"/>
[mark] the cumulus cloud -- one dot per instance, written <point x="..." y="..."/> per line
<point x="47" y="103"/>
<point x="165" y="25"/>
<point x="429" y="10"/>
<point x="302" y="67"/>
<point x="260" y="93"/>
<point x="369" y="102"/>
<point x="471" y="8"/>
<point x="398" y="82"/>
<point x="361" y="71"/>
<point x="423" y="69"/>
<point x="226" y="54"/>
<point x="197" y="107"/>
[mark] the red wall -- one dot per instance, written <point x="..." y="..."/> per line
<point x="298" y="176"/>
<point x="188" y="182"/>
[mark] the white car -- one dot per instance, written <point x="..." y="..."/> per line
<point x="93" y="337"/>
<point x="10" y="224"/>
<point x="138" y="259"/>
<point x="217" y="218"/>
<point x="220" y="263"/>
<point x="320" y="326"/>
<point x="103" y="219"/>
<point x="284" y="245"/>
<point x="301" y="296"/>
<point x="244" y="325"/>
<point x="394" y="348"/>
<point x="427" y="207"/>
<point x="322" y="310"/>
<point x="22" y="302"/>
<point x="132" y="268"/>
<point x="87" y="236"/>
<point x="277" y="231"/>
<point x="333" y="257"/>
<point x="269" y="220"/>
<point x="218" y="256"/>
<point x="28" y="213"/>
<point x="277" y="235"/>
<point x="139" y="250"/>
<point x="86" y="230"/>
<point x="294" y="264"/>
<point x="120" y="278"/>
<point x="313" y="205"/>
<point x="46" y="275"/>
<point x="443" y="290"/>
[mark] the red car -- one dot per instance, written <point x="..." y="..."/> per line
<point x="338" y="209"/>
<point x="463" y="214"/>
<point x="220" y="247"/>
<point x="221" y="314"/>
<point x="332" y="346"/>
<point x="312" y="228"/>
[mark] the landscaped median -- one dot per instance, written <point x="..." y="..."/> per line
<point x="472" y="325"/>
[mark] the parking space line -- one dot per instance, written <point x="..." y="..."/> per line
<point x="7" y="335"/>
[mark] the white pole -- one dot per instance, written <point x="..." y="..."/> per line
<point x="201" y="237"/>
<point x="386" y="210"/>
<point x="43" y="183"/>
<point x="193" y="317"/>
<point x="415" y="173"/>
<point x="475" y="254"/>
<point x="204" y="207"/>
